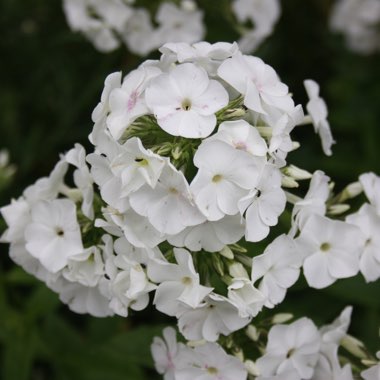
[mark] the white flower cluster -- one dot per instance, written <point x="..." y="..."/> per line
<point x="359" y="22"/>
<point x="261" y="15"/>
<point x="298" y="351"/>
<point x="190" y="159"/>
<point x="109" y="23"/>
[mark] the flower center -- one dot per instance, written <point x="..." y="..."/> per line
<point x="212" y="370"/>
<point x="241" y="145"/>
<point x="186" y="280"/>
<point x="325" y="247"/>
<point x="173" y="190"/>
<point x="141" y="161"/>
<point x="59" y="231"/>
<point x="217" y="178"/>
<point x="186" y="105"/>
<point x="290" y="353"/>
<point x="132" y="100"/>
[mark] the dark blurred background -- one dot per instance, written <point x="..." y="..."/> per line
<point x="51" y="79"/>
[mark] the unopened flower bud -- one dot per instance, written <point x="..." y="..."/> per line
<point x="251" y="368"/>
<point x="176" y="153"/>
<point x="196" y="343"/>
<point x="218" y="264"/>
<point x="338" y="209"/>
<point x="282" y="318"/>
<point x="265" y="131"/>
<point x="295" y="145"/>
<point x="368" y="362"/>
<point x="237" y="270"/>
<point x="354" y="346"/>
<point x="351" y="191"/>
<point x="188" y="5"/>
<point x="288" y="182"/>
<point x="227" y="253"/>
<point x="4" y="158"/>
<point x="239" y="354"/>
<point x="252" y="333"/>
<point x="236" y="112"/>
<point x="244" y="259"/>
<point x="296" y="173"/>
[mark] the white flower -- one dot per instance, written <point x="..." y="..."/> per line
<point x="357" y="20"/>
<point x="17" y="217"/>
<point x="210" y="362"/>
<point x="82" y="299"/>
<point x="371" y="186"/>
<point x="98" y="20"/>
<point x="185" y="100"/>
<point x="368" y="220"/>
<point x="177" y="283"/>
<point x="291" y="347"/>
<point x="169" y="205"/>
<point x="126" y="284"/>
<point x="314" y="201"/>
<point x="372" y="373"/>
<point x="210" y="236"/>
<point x="178" y="25"/>
<point x="263" y="14"/>
<point x="318" y="111"/>
<point x="216" y="315"/>
<point x="167" y="353"/>
<point x="225" y="175"/>
<point x="258" y="82"/>
<point x="82" y="178"/>
<point x="328" y="366"/>
<point x="53" y="236"/>
<point x="206" y="55"/>
<point x="129" y="289"/>
<point x="243" y="294"/>
<point x="102" y="109"/>
<point x="136" y="166"/>
<point x="263" y="205"/>
<point x="332" y="248"/>
<point x="278" y="268"/>
<point x="47" y="188"/>
<point x="139" y="34"/>
<point x="136" y="228"/>
<point x="127" y="103"/>
<point x="241" y="135"/>
<point x="87" y="268"/>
